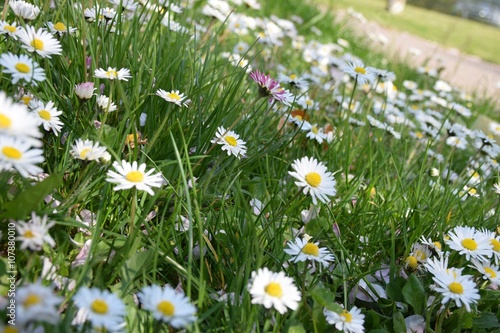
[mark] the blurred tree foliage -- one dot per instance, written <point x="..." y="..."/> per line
<point x="444" y="6"/>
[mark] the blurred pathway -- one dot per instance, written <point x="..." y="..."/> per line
<point x="470" y="73"/>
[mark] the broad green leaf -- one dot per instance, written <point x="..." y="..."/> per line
<point x="394" y="289"/>
<point x="325" y="298"/>
<point x="399" y="322"/>
<point x="486" y="320"/>
<point x="414" y="294"/>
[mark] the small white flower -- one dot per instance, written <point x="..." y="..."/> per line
<point x="22" y="67"/>
<point x="36" y="302"/>
<point x="230" y="142"/>
<point x="173" y="97"/>
<point x="302" y="250"/>
<point x="470" y="242"/>
<point x="348" y="321"/>
<point x="132" y="175"/>
<point x="47" y="116"/>
<point x="39" y="41"/>
<point x="112" y="74"/>
<point x="106" y="104"/>
<point x="24" y="9"/>
<point x="87" y="150"/>
<point x="34" y="233"/>
<point x="18" y="154"/>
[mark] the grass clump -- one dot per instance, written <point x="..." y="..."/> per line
<point x="214" y="166"/>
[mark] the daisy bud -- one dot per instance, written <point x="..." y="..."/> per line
<point x="433" y="172"/>
<point x="85" y="90"/>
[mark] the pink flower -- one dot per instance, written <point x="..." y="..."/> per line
<point x="269" y="87"/>
<point x="84" y="90"/>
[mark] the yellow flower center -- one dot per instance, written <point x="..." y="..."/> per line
<point x="274" y="289"/>
<point x="314" y="129"/>
<point x="166" y="308"/>
<point x="10" y="28"/>
<point x="59" y="26"/>
<point x="419" y="135"/>
<point x="10" y="329"/>
<point x="23" y="68"/>
<point x="412" y="262"/>
<point x="309" y="102"/>
<point x="44" y="114"/>
<point x="472" y="191"/>
<point x="5" y="121"/>
<point x="492" y="274"/>
<point x="12" y="152"/>
<point x="231" y="140"/>
<point x="311" y="249"/>
<point x="420" y="255"/>
<point x="313" y="179"/>
<point x="135" y="176"/>
<point x="437" y="245"/>
<point x="347" y="316"/>
<point x="496" y="244"/>
<point x="26" y="99"/>
<point x="469" y="244"/>
<point x="99" y="306"/>
<point x="456" y="288"/>
<point x="299" y="118"/>
<point x="31" y="300"/>
<point x="293" y="77"/>
<point x="37" y="44"/>
<point x="111" y="73"/>
<point x="360" y="70"/>
<point x="174" y="96"/>
<point x="84" y="152"/>
<point x="28" y="234"/>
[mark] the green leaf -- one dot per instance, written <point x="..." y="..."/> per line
<point x="414" y="294"/>
<point x="394" y="289"/>
<point x="325" y="298"/>
<point x="134" y="267"/>
<point x="486" y="320"/>
<point x="399" y="322"/>
<point x="28" y="200"/>
<point x="297" y="329"/>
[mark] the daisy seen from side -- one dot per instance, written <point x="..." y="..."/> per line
<point x="174" y="97"/>
<point x="230" y="142"/>
<point x="489" y="271"/>
<point x="358" y="71"/>
<point x="9" y="29"/>
<point x="87" y="150"/>
<point x="167" y="305"/>
<point x="39" y="41"/>
<point x="24" y="9"/>
<point x="301" y="250"/>
<point x="102" y="308"/>
<point x="34" y="233"/>
<point x="314" y="179"/>
<point x="17" y="154"/>
<point x="274" y="290"/>
<point x="351" y="321"/>
<point x="131" y="175"/>
<point x="60" y="28"/>
<point x="271" y="88"/>
<point x="112" y="74"/>
<point x="22" y="67"/>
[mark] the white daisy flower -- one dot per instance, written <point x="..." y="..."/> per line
<point x="348" y="321"/>
<point x="87" y="150"/>
<point x="314" y="178"/>
<point x="106" y="104"/>
<point x="16" y="121"/>
<point x="419" y="254"/>
<point x="274" y="290"/>
<point x="8" y="29"/>
<point x="60" y="28"/>
<point x="17" y="154"/>
<point x="302" y="250"/>
<point x="34" y="233"/>
<point x="314" y="133"/>
<point x="22" y="67"/>
<point x="488" y="270"/>
<point x="102" y="308"/>
<point x="112" y="74"/>
<point x="452" y="285"/>
<point x="172" y="97"/>
<point x="132" y="175"/>
<point x="47" y="116"/>
<point x="230" y="142"/>
<point x="36" y="302"/>
<point x="85" y="90"/>
<point x="24" y="9"/>
<point x="39" y="41"/>
<point x="470" y="242"/>
<point x="358" y="71"/>
<point x="167" y="305"/>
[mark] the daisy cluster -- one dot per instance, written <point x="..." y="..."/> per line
<point x="194" y="90"/>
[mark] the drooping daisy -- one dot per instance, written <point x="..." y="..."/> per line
<point x="167" y="305"/>
<point x="24" y="9"/>
<point x="18" y="154"/>
<point x="34" y="233"/>
<point x="132" y="175"/>
<point x="8" y="29"/>
<point x="22" y="67"/>
<point x="87" y="150"/>
<point x="230" y="142"/>
<point x="112" y="74"/>
<point x="47" y="116"/>
<point x="85" y="90"/>
<point x="470" y="242"/>
<point x="274" y="290"/>
<point x="16" y="121"/>
<point x="36" y="302"/>
<point x="419" y="254"/>
<point x="173" y="97"/>
<point x="496" y="188"/>
<point x="60" y="28"/>
<point x="348" y="321"/>
<point x="270" y="88"/>
<point x="39" y="41"/>
<point x="106" y="104"/>
<point x="488" y="270"/>
<point x="294" y="81"/>
<point x="358" y="71"/>
<point x="314" y="178"/>
<point x="302" y="250"/>
<point x="102" y="308"/>
<point x="452" y="285"/>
